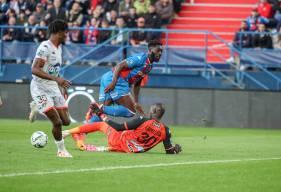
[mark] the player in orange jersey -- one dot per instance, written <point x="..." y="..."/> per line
<point x="138" y="135"/>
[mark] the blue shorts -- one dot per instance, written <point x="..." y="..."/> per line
<point x="121" y="88"/>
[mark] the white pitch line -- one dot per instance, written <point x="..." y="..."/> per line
<point x="134" y="167"/>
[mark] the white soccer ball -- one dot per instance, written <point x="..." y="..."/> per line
<point x="39" y="139"/>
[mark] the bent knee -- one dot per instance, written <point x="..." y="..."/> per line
<point x="57" y="123"/>
<point x="66" y="122"/>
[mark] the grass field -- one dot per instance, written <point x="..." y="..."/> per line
<point x="213" y="159"/>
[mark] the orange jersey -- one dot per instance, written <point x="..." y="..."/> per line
<point x="142" y="139"/>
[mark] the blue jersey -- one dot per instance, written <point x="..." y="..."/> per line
<point x="138" y="67"/>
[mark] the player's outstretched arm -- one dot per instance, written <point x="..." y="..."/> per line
<point x="169" y="148"/>
<point x="117" y="70"/>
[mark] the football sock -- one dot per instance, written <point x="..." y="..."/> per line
<point x="118" y="111"/>
<point x="60" y="145"/>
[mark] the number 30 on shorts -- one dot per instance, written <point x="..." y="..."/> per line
<point x="41" y="99"/>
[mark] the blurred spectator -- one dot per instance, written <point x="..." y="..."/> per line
<point x="93" y="4"/>
<point x="39" y="13"/>
<point x="22" y="4"/>
<point x="4" y="6"/>
<point x="277" y="40"/>
<point x="132" y="17"/>
<point x="104" y="34"/>
<point x="98" y="13"/>
<point x="111" y="17"/>
<point x="139" y="37"/>
<point x="21" y="19"/>
<point x="262" y="39"/>
<point x="91" y="32"/>
<point x="265" y="9"/>
<point x="56" y="12"/>
<point x="121" y="38"/>
<point x="153" y="20"/>
<point x="255" y="19"/>
<point x="141" y="6"/>
<point x="15" y="6"/>
<point x="31" y="5"/>
<point x="5" y="17"/>
<point x="277" y="15"/>
<point x="165" y="9"/>
<point x="124" y="7"/>
<point x="177" y="5"/>
<point x="11" y="34"/>
<point x="243" y="40"/>
<point x="29" y="30"/>
<point x="41" y="34"/>
<point x="109" y="5"/>
<point x="75" y="35"/>
<point x="75" y="15"/>
<point x="27" y="12"/>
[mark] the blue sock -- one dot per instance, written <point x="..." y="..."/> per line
<point x="94" y="119"/>
<point x="118" y="111"/>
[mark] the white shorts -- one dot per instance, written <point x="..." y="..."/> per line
<point x="47" y="96"/>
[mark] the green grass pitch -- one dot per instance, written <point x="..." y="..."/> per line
<point x="213" y="159"/>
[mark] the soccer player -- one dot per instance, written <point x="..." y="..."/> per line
<point x="45" y="83"/>
<point x="138" y="135"/>
<point x="115" y="84"/>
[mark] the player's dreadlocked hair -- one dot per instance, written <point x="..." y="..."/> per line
<point x="157" y="110"/>
<point x="57" y="26"/>
<point x="154" y="43"/>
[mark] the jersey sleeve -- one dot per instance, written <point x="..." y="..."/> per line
<point x="129" y="125"/>
<point x="134" y="61"/>
<point x="42" y="52"/>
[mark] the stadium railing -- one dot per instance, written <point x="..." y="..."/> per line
<point x="175" y="59"/>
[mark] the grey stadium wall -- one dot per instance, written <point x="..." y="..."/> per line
<point x="193" y="107"/>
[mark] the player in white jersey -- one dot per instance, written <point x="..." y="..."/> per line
<point x="45" y="83"/>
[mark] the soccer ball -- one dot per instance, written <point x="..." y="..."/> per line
<point x="39" y="139"/>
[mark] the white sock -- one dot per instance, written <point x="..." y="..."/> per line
<point x="60" y="145"/>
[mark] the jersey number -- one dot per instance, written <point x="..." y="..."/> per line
<point x="146" y="139"/>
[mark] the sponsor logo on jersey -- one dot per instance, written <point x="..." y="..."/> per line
<point x="54" y="69"/>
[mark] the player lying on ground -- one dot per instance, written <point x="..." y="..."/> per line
<point x="45" y="82"/>
<point x="115" y="84"/>
<point x="138" y="135"/>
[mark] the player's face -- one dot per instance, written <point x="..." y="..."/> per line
<point x="62" y="35"/>
<point x="157" y="52"/>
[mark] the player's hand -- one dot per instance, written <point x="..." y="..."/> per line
<point x="110" y="87"/>
<point x="97" y="109"/>
<point x="63" y="83"/>
<point x="139" y="108"/>
<point x="174" y="150"/>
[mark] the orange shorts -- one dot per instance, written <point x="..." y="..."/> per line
<point x="114" y="140"/>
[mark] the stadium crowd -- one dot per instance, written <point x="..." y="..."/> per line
<point x="91" y="14"/>
<point x="265" y="20"/>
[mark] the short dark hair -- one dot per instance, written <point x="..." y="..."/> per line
<point x="57" y="26"/>
<point x="153" y="43"/>
<point x="157" y="110"/>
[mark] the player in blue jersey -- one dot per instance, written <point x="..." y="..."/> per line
<point x="115" y="85"/>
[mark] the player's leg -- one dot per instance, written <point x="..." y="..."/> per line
<point x="87" y="128"/>
<point x="54" y="117"/>
<point x="45" y="105"/>
<point x="33" y="111"/>
<point x="78" y="134"/>
<point x="64" y="115"/>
